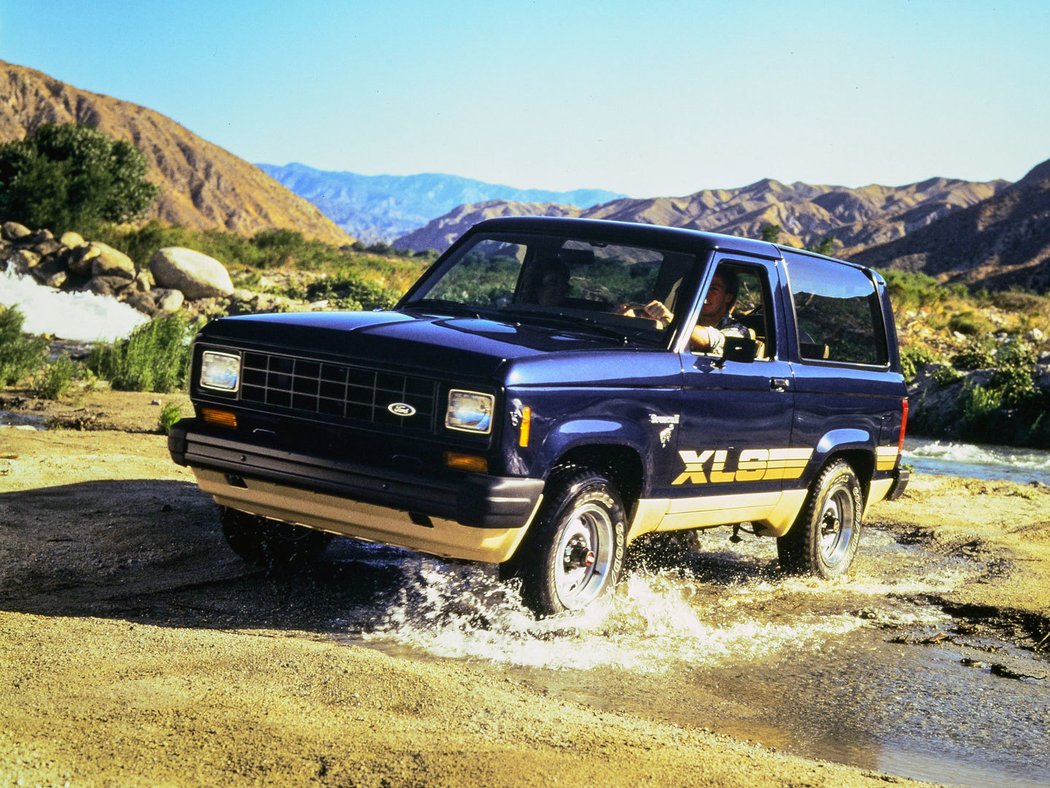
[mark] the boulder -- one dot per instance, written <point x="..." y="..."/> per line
<point x="143" y="302"/>
<point x="144" y="281"/>
<point x="72" y="239"/>
<point x="40" y="236"/>
<point x="111" y="262"/>
<point x="13" y="231"/>
<point x="167" y="301"/>
<point x="81" y="257"/>
<point x="194" y="273"/>
<point x="24" y="260"/>
<point x="50" y="270"/>
<point x="108" y="285"/>
<point x="45" y="248"/>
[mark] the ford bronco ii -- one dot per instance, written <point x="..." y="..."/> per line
<point x="518" y="406"/>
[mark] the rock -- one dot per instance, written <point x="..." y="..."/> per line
<point x="168" y="301"/>
<point x="107" y="285"/>
<point x="48" y="269"/>
<point x="111" y="262"/>
<point x="72" y="239"/>
<point x="44" y="248"/>
<point x="1035" y="335"/>
<point x="13" y="231"/>
<point x="40" y="236"/>
<point x="144" y="281"/>
<point x="81" y="257"/>
<point x="144" y="302"/>
<point x="194" y="273"/>
<point x="24" y="260"/>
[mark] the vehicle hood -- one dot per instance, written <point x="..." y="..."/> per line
<point x="465" y="345"/>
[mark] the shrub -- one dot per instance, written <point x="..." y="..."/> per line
<point x="979" y="353"/>
<point x="170" y="413"/>
<point x="156" y="357"/>
<point x="56" y="378"/>
<point x="72" y="177"/>
<point x="914" y="358"/>
<point x="20" y="354"/>
<point x="971" y="323"/>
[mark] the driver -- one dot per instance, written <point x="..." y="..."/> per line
<point x="715" y="322"/>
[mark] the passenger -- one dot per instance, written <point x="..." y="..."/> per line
<point x="553" y="284"/>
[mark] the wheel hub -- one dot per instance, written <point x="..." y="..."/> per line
<point x="578" y="555"/>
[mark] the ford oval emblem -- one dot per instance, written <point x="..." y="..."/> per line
<point x="401" y="409"/>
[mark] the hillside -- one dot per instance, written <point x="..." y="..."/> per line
<point x="202" y="186"/>
<point x="855" y="218"/>
<point x="999" y="243"/>
<point x="384" y="207"/>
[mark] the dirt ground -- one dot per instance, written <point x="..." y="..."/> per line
<point x="136" y="649"/>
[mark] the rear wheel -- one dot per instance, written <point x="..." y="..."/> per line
<point x="270" y="543"/>
<point x="575" y="549"/>
<point x="823" y="540"/>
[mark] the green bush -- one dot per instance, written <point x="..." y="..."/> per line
<point x="56" y="378"/>
<point x="348" y="292"/>
<point x="914" y="358"/>
<point x="979" y="353"/>
<point x="67" y="177"/>
<point x="169" y="414"/>
<point x="971" y="324"/>
<point x="20" y="354"/>
<point x="156" y="357"/>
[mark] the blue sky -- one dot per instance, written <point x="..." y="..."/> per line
<point x="653" y="98"/>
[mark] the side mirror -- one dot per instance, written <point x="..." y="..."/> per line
<point x="739" y="349"/>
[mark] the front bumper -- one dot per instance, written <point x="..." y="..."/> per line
<point x="475" y="516"/>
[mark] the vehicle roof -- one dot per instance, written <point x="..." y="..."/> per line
<point x="630" y="232"/>
<point x="655" y="235"/>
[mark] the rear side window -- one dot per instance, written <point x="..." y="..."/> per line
<point x="838" y="313"/>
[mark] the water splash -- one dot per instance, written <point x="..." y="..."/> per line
<point x="82" y="316"/>
<point x="652" y="623"/>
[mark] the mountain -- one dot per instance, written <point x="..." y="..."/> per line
<point x="1001" y="242"/>
<point x="855" y="218"/>
<point x="202" y="186"/>
<point x="385" y="207"/>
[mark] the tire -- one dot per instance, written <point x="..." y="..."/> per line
<point x="270" y="543"/>
<point x="823" y="540"/>
<point x="574" y="551"/>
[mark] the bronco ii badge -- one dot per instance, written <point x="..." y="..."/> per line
<point x="401" y="409"/>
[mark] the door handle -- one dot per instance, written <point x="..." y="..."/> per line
<point x="779" y="384"/>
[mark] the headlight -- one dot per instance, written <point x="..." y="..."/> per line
<point x="469" y="411"/>
<point x="220" y="371"/>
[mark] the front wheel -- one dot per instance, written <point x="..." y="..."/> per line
<point x="823" y="540"/>
<point x="270" y="543"/>
<point x="575" y="549"/>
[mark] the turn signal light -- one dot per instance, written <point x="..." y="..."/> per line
<point x="466" y="462"/>
<point x="220" y="418"/>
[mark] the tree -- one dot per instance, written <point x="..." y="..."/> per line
<point x="770" y="232"/>
<point x="72" y="177"/>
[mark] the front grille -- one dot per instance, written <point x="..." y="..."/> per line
<point x="310" y="386"/>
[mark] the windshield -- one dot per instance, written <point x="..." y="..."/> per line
<point x="595" y="286"/>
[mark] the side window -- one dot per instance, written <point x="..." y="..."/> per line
<point x="752" y="306"/>
<point x="838" y="313"/>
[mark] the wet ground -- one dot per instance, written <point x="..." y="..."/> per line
<point x="874" y="671"/>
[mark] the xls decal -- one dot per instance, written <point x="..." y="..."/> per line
<point x="752" y="465"/>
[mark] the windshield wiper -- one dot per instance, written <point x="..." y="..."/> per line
<point x="445" y="307"/>
<point x="566" y="319"/>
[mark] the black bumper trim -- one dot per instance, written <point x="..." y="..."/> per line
<point x="475" y="500"/>
<point x="900" y="484"/>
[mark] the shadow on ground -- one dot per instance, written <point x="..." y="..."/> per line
<point x="152" y="552"/>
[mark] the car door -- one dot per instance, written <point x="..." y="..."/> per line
<point x="736" y="415"/>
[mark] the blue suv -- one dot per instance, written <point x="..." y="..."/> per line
<point x="524" y="404"/>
